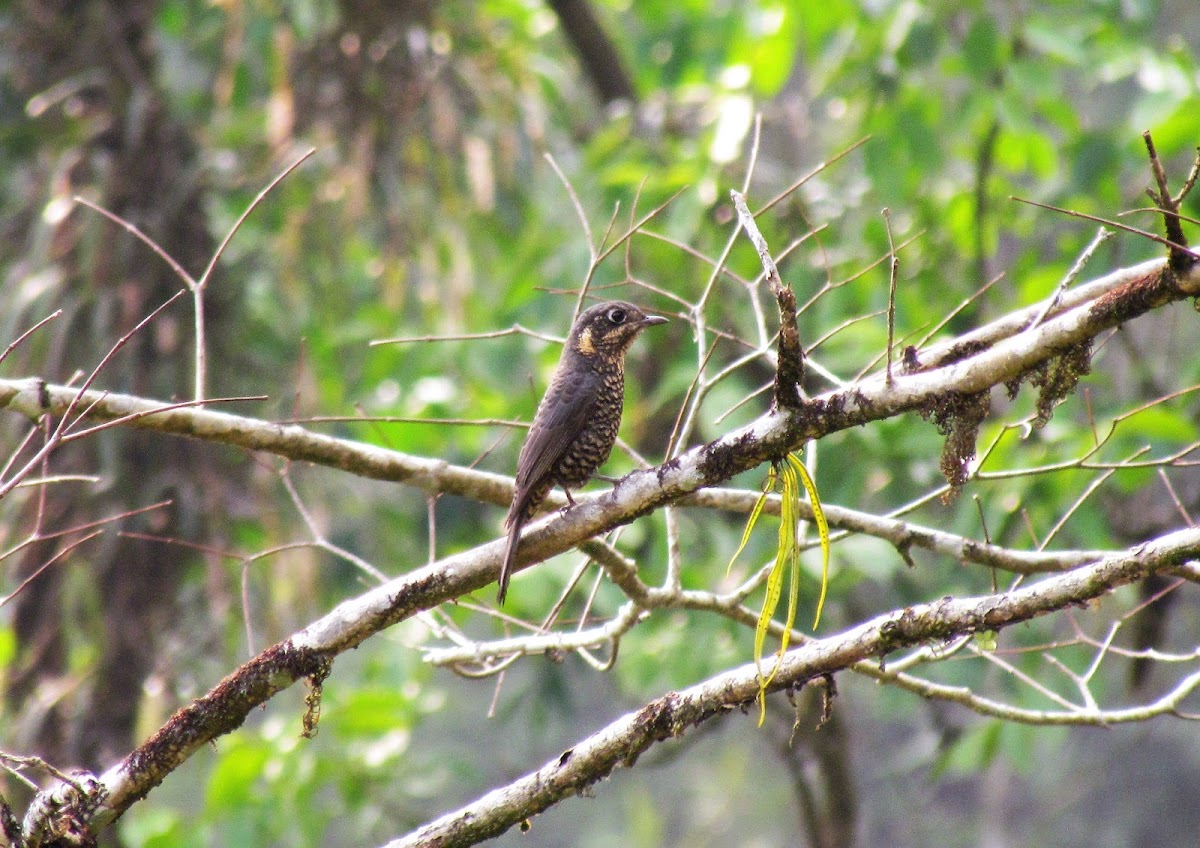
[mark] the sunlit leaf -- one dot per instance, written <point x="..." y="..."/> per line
<point x="768" y="486"/>
<point x="792" y="476"/>
<point x="822" y="529"/>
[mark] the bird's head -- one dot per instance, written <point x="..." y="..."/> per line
<point x="608" y="329"/>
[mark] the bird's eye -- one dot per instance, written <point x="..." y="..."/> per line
<point x="616" y="316"/>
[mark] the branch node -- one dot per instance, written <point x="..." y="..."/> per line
<point x="1179" y="257"/>
<point x="62" y="813"/>
<point x="789" y="373"/>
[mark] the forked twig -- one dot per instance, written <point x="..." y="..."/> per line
<point x="194" y="285"/>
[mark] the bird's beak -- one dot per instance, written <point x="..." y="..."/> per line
<point x="651" y="320"/>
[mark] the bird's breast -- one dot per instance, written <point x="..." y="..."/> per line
<point x="595" y="440"/>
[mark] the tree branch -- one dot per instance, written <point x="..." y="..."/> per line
<point x="627" y="738"/>
<point x="597" y="52"/>
<point x="309" y="653"/>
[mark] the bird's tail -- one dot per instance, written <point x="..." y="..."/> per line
<point x="510" y="554"/>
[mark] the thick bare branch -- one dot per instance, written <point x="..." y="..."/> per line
<point x="309" y="654"/>
<point x="627" y="738"/>
<point x="963" y="368"/>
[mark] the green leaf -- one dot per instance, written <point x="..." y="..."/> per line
<point x="754" y="514"/>
<point x="8" y="644"/>
<point x="238" y="769"/>
<point x="822" y="530"/>
<point x="787" y="520"/>
<point x="154" y="828"/>
<point x="981" y="50"/>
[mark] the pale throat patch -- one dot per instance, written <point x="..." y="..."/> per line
<point x="584" y="344"/>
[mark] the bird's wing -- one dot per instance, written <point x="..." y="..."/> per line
<point x="565" y="408"/>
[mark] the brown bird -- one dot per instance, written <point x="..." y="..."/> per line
<point x="576" y="422"/>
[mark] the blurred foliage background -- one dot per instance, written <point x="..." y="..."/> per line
<point x="430" y="209"/>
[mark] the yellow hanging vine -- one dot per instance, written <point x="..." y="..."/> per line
<point x="791" y="474"/>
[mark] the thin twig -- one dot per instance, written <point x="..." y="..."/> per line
<point x="258" y="198"/>
<point x="575" y="202"/>
<point x="1102" y="235"/>
<point x="132" y="228"/>
<point x="818" y="169"/>
<point x="56" y="435"/>
<point x="1154" y="237"/>
<point x="16" y="342"/>
<point x="41" y="568"/>
<point x="893" y="270"/>
<point x="515" y="329"/>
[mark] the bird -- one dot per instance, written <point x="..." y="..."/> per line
<point x="576" y="423"/>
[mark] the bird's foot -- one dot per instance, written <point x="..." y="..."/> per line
<point x="570" y="502"/>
